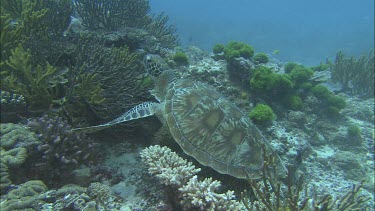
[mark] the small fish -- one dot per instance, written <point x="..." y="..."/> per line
<point x="275" y="52"/>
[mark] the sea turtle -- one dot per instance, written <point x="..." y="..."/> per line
<point x="205" y="124"/>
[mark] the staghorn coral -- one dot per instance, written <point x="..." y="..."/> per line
<point x="160" y="161"/>
<point x="203" y="195"/>
<point x="176" y="172"/>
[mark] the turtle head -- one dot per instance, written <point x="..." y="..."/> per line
<point x="160" y="73"/>
<point x="155" y="65"/>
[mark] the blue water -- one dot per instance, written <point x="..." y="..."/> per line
<point x="303" y="31"/>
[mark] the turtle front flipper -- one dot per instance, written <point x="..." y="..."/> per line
<point x="139" y="111"/>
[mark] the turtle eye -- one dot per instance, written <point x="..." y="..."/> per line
<point x="148" y="59"/>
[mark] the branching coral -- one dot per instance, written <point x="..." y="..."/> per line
<point x="60" y="151"/>
<point x="203" y="195"/>
<point x="272" y="195"/>
<point x="39" y="16"/>
<point x="175" y="171"/>
<point x="34" y="83"/>
<point x="160" y="161"/>
<point x="112" y="14"/>
<point x="355" y="75"/>
<point x="160" y="30"/>
<point x="10" y="36"/>
<point x="103" y="73"/>
<point x="61" y="145"/>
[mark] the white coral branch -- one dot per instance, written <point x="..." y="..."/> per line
<point x="174" y="170"/>
<point x="167" y="165"/>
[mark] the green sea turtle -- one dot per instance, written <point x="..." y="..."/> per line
<point x="203" y="122"/>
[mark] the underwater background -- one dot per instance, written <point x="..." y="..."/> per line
<point x="187" y="105"/>
<point x="306" y="32"/>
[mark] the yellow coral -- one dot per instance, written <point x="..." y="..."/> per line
<point x="22" y="78"/>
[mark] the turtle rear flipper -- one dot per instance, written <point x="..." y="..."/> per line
<point x="144" y="109"/>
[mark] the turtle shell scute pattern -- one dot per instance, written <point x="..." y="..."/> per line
<point x="212" y="129"/>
